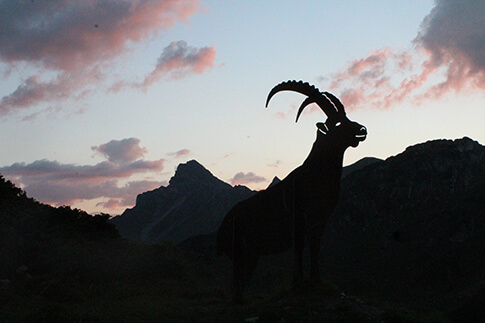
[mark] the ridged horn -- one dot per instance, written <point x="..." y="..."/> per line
<point x="336" y="102"/>
<point x="314" y="96"/>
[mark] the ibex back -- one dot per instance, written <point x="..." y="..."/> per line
<point x="297" y="208"/>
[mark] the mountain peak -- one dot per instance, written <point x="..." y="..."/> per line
<point x="190" y="167"/>
<point x="192" y="172"/>
<point x="275" y="181"/>
<point x="464" y="144"/>
<point x="194" y="202"/>
<point x="467" y="144"/>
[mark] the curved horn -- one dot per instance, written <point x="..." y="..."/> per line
<point x="307" y="101"/>
<point x="314" y="96"/>
<point x="336" y="102"/>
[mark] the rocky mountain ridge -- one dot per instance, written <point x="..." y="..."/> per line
<point x="194" y="202"/>
<point x="414" y="222"/>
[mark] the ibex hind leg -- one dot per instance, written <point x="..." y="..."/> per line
<point x="243" y="277"/>
<point x="244" y="263"/>
<point x="298" y="247"/>
<point x="237" y="280"/>
<point x="315" y="244"/>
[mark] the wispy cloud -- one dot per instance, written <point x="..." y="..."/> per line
<point x="76" y="41"/>
<point x="276" y="164"/>
<point x="246" y="178"/>
<point x="35" y="90"/>
<point x="179" y="154"/>
<point x="53" y="170"/>
<point x="179" y="59"/>
<point x="57" y="183"/>
<point x="448" y="57"/>
<point x="280" y="115"/>
<point x="69" y="35"/>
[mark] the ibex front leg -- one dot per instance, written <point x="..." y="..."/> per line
<point x="298" y="246"/>
<point x="315" y="237"/>
<point x="245" y="260"/>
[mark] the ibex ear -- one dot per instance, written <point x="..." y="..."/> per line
<point x="322" y="127"/>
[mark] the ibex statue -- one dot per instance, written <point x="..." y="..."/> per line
<point x="298" y="207"/>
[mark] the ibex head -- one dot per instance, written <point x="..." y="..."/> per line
<point x="337" y="126"/>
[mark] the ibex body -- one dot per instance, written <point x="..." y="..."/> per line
<point x="297" y="208"/>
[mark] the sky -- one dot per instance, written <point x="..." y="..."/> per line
<point x="100" y="100"/>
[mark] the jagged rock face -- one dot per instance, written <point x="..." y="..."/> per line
<point x="414" y="220"/>
<point x="193" y="203"/>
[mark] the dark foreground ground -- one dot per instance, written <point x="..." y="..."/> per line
<point x="168" y="301"/>
<point x="64" y="265"/>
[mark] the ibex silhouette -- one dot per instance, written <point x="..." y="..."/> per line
<point x="299" y="206"/>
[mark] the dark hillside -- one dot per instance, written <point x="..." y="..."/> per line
<point x="413" y="227"/>
<point x="54" y="260"/>
<point x="364" y="162"/>
<point x="29" y="228"/>
<point x="63" y="265"/>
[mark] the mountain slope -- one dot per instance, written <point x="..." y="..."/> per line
<point x="415" y="222"/>
<point x="364" y="162"/>
<point x="193" y="203"/>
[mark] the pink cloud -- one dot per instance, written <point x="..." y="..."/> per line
<point x="178" y="59"/>
<point x="368" y="81"/>
<point x="34" y="90"/>
<point x="454" y="38"/>
<point x="69" y="192"/>
<point x="370" y="67"/>
<point x="57" y="183"/>
<point x="246" y="178"/>
<point x="77" y="33"/>
<point x="450" y="49"/>
<point x="77" y="41"/>
<point x="53" y="170"/>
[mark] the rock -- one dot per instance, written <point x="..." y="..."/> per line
<point x="194" y="203"/>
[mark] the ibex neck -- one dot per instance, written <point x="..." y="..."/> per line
<point x="326" y="157"/>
